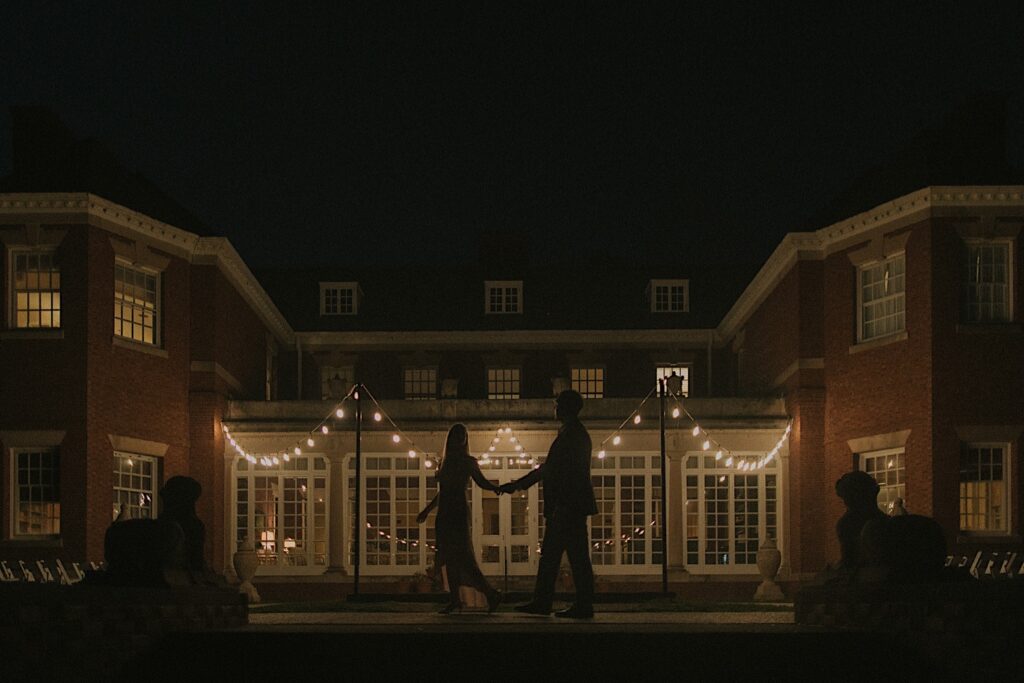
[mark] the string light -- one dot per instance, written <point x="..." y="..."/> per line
<point x="696" y="430"/>
<point x="298" y="451"/>
<point x="600" y="455"/>
<point x="675" y="412"/>
<point x="636" y="420"/>
<point x="339" y="412"/>
<point x="412" y="453"/>
<point x="396" y="438"/>
<point x="309" y="442"/>
<point x="617" y="440"/>
<point x="377" y="417"/>
<point x="323" y="429"/>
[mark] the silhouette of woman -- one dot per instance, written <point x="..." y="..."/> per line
<point x="454" y="545"/>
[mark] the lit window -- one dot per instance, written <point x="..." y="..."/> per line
<point x="396" y="489"/>
<point x="589" y="382"/>
<point x="136" y="304"/>
<point x="335" y="381"/>
<point x="880" y="292"/>
<point x="889" y="470"/>
<point x="135" y="485"/>
<point x="36" y="289"/>
<point x="283" y="511"/>
<point x="670" y="296"/>
<point x="420" y="383"/>
<point x="681" y="371"/>
<point x="627" y="527"/>
<point x="505" y="296"/>
<point x="502" y="383"/>
<point x="37" y="492"/>
<point x="339" y="298"/>
<point x="728" y="513"/>
<point x="983" y="490"/>
<point x="986" y="286"/>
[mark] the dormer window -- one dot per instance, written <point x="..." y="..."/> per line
<point x="503" y="296"/>
<point x="339" y="298"/>
<point x="670" y="296"/>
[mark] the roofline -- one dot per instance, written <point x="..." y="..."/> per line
<point x="799" y="246"/>
<point x="85" y="207"/>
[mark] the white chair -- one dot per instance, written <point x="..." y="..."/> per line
<point x="78" y="570"/>
<point x="45" y="575"/>
<point x="975" y="564"/>
<point x="6" y="575"/>
<point x="65" y="578"/>
<point x="26" y="572"/>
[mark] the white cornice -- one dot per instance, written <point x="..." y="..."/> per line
<point x="798" y="246"/>
<point x="695" y="338"/>
<point x="220" y="251"/>
<point x="65" y="208"/>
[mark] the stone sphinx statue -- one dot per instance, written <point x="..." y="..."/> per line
<point x="876" y="547"/>
<point x="162" y="552"/>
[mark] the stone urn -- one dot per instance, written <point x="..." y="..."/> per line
<point x="245" y="563"/>
<point x="768" y="560"/>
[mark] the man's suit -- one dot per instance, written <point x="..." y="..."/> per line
<point x="568" y="501"/>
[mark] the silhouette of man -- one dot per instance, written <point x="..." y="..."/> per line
<point x="568" y="501"/>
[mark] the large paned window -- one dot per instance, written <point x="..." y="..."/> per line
<point x="36" y="492"/>
<point x="396" y="488"/>
<point x="880" y="294"/>
<point x="283" y="511"/>
<point x="339" y="298"/>
<point x="589" y="381"/>
<point x="682" y="371"/>
<point x="503" y="296"/>
<point x="669" y="296"/>
<point x="626" y="531"/>
<point x="420" y="383"/>
<point x="889" y="470"/>
<point x="36" y="289"/>
<point x="983" y="488"/>
<point x="136" y="304"/>
<point x="136" y="480"/>
<point x="728" y="513"/>
<point x="986" y="282"/>
<point x="502" y="383"/>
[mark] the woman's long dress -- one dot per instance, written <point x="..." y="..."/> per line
<point x="454" y="544"/>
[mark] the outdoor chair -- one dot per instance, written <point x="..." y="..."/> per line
<point x="6" y="575"/>
<point x="78" y="570"/>
<point x="45" y="575"/>
<point x="26" y="572"/>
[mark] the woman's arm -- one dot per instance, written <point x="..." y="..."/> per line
<point x="480" y="479"/>
<point x="422" y="517"/>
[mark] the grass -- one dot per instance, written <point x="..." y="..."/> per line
<point x="655" y="605"/>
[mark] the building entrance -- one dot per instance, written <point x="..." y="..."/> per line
<point x="505" y="528"/>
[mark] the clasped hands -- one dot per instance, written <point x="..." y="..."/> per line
<point x="510" y="487"/>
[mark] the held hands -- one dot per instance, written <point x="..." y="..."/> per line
<point x="507" y="488"/>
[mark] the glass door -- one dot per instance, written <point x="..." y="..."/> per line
<point x="505" y="528"/>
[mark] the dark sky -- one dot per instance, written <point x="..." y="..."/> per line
<point x="338" y="136"/>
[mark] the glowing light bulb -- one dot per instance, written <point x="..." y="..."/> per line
<point x="339" y="412"/>
<point x="706" y="445"/>
<point x="298" y="451"/>
<point x="130" y="463"/>
<point x="728" y="462"/>
<point x="617" y="440"/>
<point x="519" y="446"/>
<point x="600" y="455"/>
<point x="324" y="429"/>
<point x="636" y="420"/>
<point x="491" y="449"/>
<point x="355" y="395"/>
<point x="250" y="458"/>
<point x="276" y="461"/>
<point x="309" y="441"/>
<point x="428" y="464"/>
<point x="789" y="428"/>
<point x="675" y="412"/>
<point x="696" y="430"/>
<point x="508" y="430"/>
<point x="377" y="417"/>
<point x="495" y="440"/>
<point x="771" y="456"/>
<point x="530" y="461"/>
<point x="396" y="438"/>
<point x="718" y="455"/>
<point x="412" y="453"/>
<point x="286" y="457"/>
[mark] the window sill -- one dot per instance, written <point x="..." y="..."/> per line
<point x="137" y="346"/>
<point x="875" y="343"/>
<point x="988" y="328"/>
<point x="32" y="543"/>
<point x="32" y="333"/>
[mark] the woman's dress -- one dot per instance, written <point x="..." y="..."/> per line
<point x="454" y="543"/>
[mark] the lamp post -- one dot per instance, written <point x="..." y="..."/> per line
<point x="359" y="480"/>
<point x="664" y="489"/>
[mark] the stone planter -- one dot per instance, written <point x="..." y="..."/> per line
<point x="245" y="563"/>
<point x="768" y="560"/>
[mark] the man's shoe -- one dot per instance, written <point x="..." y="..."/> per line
<point x="533" y="608"/>
<point x="576" y="612"/>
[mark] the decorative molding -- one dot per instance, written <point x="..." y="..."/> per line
<point x="799" y="364"/>
<point x="989" y="433"/>
<point x="496" y="339"/>
<point x="219" y="370"/>
<point x="138" y="254"/>
<point x="130" y="444"/>
<point x="879" y="442"/>
<point x="33" y="437"/>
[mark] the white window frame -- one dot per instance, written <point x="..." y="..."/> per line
<point x="374" y="467"/>
<point x="430" y="381"/>
<point x="338" y="287"/>
<point x="1006" y="497"/>
<point x="1009" y="301"/>
<point x="668" y="285"/>
<point x="494" y="382"/>
<point x="896" y="296"/>
<point x="774" y="468"/>
<point x="157" y="303"/>
<point x="315" y="466"/>
<point x="327" y="372"/>
<point x="895" y="459"/>
<point x="610" y="466"/>
<point x="12" y="299"/>
<point x="582" y="384"/>
<point x="150" y="493"/>
<point x="505" y="287"/>
<point x="16" y="494"/>
<point x="664" y="370"/>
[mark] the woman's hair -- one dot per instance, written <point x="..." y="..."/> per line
<point x="456" y="442"/>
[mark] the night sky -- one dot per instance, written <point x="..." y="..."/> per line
<point x="312" y="136"/>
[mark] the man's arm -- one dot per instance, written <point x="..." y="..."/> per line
<point x="526" y="482"/>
